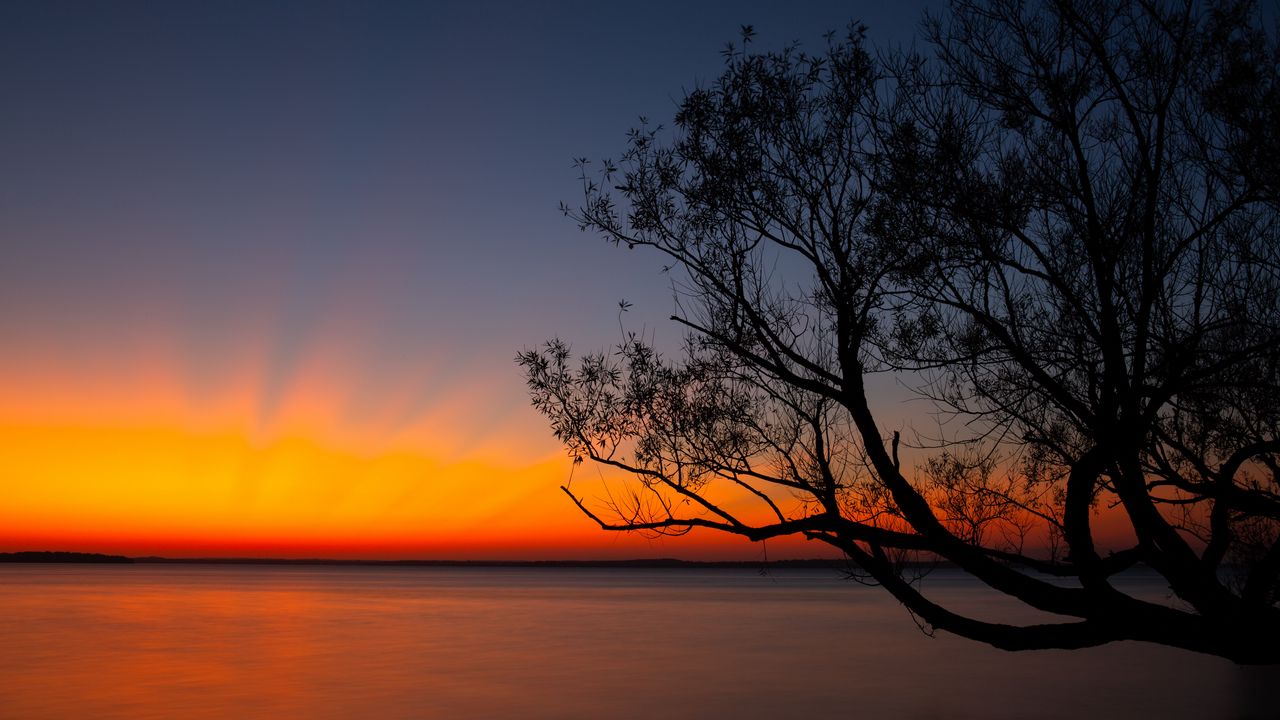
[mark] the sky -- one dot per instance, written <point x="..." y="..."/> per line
<point x="264" y="266"/>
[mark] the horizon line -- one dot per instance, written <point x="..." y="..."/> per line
<point x="63" y="556"/>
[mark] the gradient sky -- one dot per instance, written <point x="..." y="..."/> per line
<point x="264" y="266"/>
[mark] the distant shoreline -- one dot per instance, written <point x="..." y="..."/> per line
<point x="98" y="558"/>
<point x="46" y="556"/>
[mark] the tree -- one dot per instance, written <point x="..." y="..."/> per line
<point x="1059" y="226"/>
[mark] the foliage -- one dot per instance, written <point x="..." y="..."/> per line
<point x="1060" y="227"/>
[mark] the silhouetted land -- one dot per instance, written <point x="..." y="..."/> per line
<point x="62" y="557"/>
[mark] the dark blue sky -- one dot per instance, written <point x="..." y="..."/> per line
<point x="206" y="160"/>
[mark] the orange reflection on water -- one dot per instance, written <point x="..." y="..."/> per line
<point x="138" y="642"/>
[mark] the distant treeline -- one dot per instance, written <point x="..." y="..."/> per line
<point x="62" y="557"/>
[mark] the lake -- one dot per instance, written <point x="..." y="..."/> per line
<point x="247" y="641"/>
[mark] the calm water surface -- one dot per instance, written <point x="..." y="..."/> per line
<point x="235" y="641"/>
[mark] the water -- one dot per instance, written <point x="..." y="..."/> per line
<point x="236" y="641"/>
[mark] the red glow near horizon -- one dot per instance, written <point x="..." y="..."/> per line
<point x="144" y="463"/>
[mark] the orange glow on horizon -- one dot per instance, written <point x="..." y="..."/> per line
<point x="136" y="457"/>
<point x="159" y="491"/>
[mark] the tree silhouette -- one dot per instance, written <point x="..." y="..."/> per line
<point x="1059" y="226"/>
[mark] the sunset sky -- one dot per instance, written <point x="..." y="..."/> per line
<point x="264" y="266"/>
